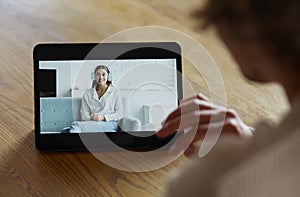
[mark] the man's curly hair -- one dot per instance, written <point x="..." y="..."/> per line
<point x="275" y="22"/>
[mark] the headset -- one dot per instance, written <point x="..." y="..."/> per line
<point x="93" y="74"/>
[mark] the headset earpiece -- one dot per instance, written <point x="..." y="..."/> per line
<point x="93" y="77"/>
<point x="109" y="77"/>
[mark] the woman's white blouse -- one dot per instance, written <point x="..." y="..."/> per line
<point x="109" y="105"/>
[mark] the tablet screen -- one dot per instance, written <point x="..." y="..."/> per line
<point x="84" y="96"/>
<point x="104" y="95"/>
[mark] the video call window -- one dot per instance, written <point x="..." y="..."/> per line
<point x="141" y="94"/>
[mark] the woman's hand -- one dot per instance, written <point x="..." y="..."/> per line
<point x="98" y="117"/>
<point x="198" y="113"/>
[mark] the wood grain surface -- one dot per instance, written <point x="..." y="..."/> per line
<point x="26" y="172"/>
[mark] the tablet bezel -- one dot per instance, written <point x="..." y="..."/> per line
<point x="108" y="51"/>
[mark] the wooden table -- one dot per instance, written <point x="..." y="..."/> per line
<point x="25" y="171"/>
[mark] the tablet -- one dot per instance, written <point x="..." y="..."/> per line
<point x="104" y="95"/>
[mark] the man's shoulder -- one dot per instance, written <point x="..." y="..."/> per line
<point x="199" y="176"/>
<point x="233" y="160"/>
<point x="271" y="170"/>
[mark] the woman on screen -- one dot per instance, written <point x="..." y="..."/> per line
<point x="102" y="103"/>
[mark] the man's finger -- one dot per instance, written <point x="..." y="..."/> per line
<point x="187" y="107"/>
<point x="197" y="96"/>
<point x="196" y="134"/>
<point x="191" y="119"/>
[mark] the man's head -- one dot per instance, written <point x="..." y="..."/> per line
<point x="262" y="35"/>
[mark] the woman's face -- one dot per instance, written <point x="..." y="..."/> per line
<point x="101" y="76"/>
